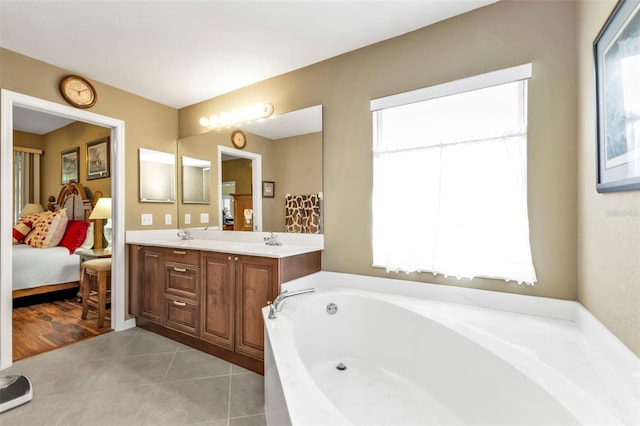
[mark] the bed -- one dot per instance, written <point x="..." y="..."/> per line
<point x="43" y="270"/>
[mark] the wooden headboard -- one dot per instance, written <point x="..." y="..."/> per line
<point x="74" y="198"/>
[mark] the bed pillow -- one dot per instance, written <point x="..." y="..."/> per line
<point x="20" y="231"/>
<point x="74" y="235"/>
<point x="34" y="218"/>
<point x="88" y="241"/>
<point x="49" y="230"/>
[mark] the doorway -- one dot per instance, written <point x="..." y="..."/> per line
<point x="256" y="183"/>
<point x="9" y="100"/>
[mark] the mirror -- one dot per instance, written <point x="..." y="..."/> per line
<point x="285" y="149"/>
<point x="157" y="176"/>
<point x="196" y="181"/>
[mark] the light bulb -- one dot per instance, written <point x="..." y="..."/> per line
<point x="204" y="122"/>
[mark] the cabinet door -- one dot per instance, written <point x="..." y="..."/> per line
<point x="218" y="298"/>
<point x="151" y="288"/>
<point x="256" y="285"/>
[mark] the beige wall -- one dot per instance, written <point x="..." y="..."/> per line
<point x="498" y="36"/>
<point x="147" y="124"/>
<point x="608" y="224"/>
<point x="27" y="140"/>
<point x="76" y="134"/>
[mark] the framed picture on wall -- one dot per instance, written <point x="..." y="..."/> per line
<point x="69" y="165"/>
<point x="98" y="159"/>
<point x="617" y="63"/>
<point x="268" y="189"/>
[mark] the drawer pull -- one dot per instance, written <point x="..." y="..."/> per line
<point x="175" y="302"/>
<point x="179" y="252"/>
<point x="180" y="269"/>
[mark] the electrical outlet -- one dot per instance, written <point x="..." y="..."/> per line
<point x="146" y="219"/>
<point x="167" y="219"/>
<point x="204" y="217"/>
<point x="187" y="219"/>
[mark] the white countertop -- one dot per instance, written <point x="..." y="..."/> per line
<point x="244" y="243"/>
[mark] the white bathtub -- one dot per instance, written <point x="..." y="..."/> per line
<point x="415" y="361"/>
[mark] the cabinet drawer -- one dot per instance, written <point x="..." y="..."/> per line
<point x="182" y="281"/>
<point x="186" y="257"/>
<point x="182" y="315"/>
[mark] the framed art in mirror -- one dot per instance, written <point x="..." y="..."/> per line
<point x="98" y="159"/>
<point x="617" y="62"/>
<point x="69" y="165"/>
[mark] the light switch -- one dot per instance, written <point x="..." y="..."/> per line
<point x="146" y="219"/>
<point x="167" y="219"/>
<point x="187" y="219"/>
<point x="204" y="217"/>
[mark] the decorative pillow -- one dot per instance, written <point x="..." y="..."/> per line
<point x="49" y="230"/>
<point x="74" y="235"/>
<point x="88" y="241"/>
<point x="20" y="231"/>
<point x="34" y="218"/>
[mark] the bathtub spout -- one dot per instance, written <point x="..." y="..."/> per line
<point x="277" y="304"/>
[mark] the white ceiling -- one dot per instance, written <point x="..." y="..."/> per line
<point x="182" y="52"/>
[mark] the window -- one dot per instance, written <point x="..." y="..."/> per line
<point x="450" y="179"/>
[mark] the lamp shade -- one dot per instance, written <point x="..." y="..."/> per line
<point x="102" y="209"/>
<point x="31" y="209"/>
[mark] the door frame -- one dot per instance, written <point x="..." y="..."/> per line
<point x="256" y="181"/>
<point x="9" y="99"/>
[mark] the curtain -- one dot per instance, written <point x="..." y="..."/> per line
<point x="302" y="214"/>
<point x="26" y="179"/>
<point x="450" y="186"/>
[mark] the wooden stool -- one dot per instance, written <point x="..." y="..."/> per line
<point x="95" y="283"/>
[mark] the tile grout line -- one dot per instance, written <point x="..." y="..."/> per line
<point x="166" y="373"/>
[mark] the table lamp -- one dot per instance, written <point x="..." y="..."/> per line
<point x="102" y="210"/>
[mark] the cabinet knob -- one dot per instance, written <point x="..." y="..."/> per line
<point x="236" y="258"/>
<point x="176" y="302"/>
<point x="229" y="258"/>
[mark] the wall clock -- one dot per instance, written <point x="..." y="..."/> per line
<point x="78" y="91"/>
<point x="238" y="139"/>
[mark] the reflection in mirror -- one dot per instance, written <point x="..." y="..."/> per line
<point x="196" y="181"/>
<point x="157" y="176"/>
<point x="290" y="148"/>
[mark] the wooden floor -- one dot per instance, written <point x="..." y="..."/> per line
<point x="44" y="323"/>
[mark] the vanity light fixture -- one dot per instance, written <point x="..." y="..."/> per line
<point x="237" y="116"/>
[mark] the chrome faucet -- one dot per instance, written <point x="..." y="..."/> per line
<point x="272" y="240"/>
<point x="276" y="306"/>
<point x="185" y="235"/>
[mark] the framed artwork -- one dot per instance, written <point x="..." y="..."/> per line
<point x="268" y="189"/>
<point x="69" y="165"/>
<point x="98" y="159"/>
<point x="617" y="63"/>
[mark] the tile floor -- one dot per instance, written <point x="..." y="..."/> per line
<point x="136" y="377"/>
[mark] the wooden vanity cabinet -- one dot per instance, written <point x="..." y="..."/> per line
<point x="209" y="300"/>
<point x="218" y="298"/>
<point x="146" y="269"/>
<point x="182" y="290"/>
<point x="256" y="286"/>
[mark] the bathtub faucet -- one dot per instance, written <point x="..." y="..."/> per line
<point x="276" y="306"/>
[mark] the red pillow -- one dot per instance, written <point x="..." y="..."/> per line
<point x="74" y="235"/>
